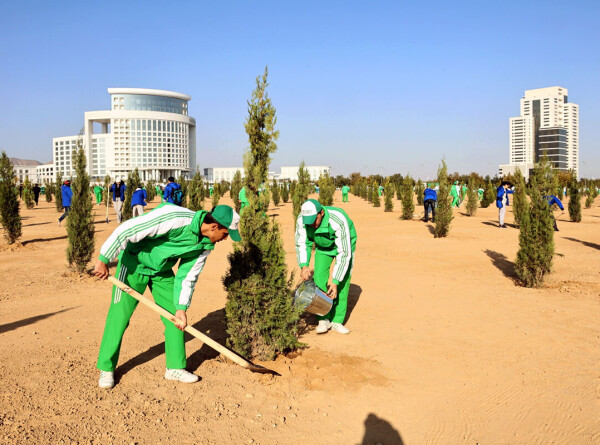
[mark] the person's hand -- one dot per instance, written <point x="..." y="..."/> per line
<point x="332" y="291"/>
<point x="100" y="270"/>
<point x="305" y="273"/>
<point x="182" y="320"/>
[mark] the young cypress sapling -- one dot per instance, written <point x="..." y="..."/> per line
<point x="472" y="198"/>
<point x="275" y="193"/>
<point x="80" y="223"/>
<point x="389" y="196"/>
<point x="9" y="201"/>
<point x="443" y="215"/>
<point x="574" y="200"/>
<point x="408" y="206"/>
<point x="58" y="191"/>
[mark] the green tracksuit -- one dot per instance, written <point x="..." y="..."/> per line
<point x="98" y="193"/>
<point x="243" y="199"/>
<point x="148" y="247"/>
<point x="345" y="190"/>
<point x="455" y="197"/>
<point x="335" y="238"/>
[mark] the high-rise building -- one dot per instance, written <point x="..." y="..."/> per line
<point x="145" y="129"/>
<point x="548" y="124"/>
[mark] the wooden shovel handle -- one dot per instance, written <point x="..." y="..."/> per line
<point x="195" y="332"/>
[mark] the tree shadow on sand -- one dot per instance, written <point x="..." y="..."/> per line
<point x="31" y="320"/>
<point x="43" y="240"/>
<point x="213" y="325"/>
<point x="585" y="243"/>
<point x="378" y="430"/>
<point x="503" y="264"/>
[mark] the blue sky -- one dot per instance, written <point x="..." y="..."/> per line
<point x="376" y="87"/>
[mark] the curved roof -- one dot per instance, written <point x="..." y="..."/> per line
<point x="150" y="92"/>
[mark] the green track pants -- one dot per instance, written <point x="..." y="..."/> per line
<point x="122" y="307"/>
<point x="98" y="197"/>
<point x="323" y="262"/>
<point x="344" y="197"/>
<point x="456" y="201"/>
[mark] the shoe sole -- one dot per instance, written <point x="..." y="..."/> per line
<point x="106" y="386"/>
<point x="182" y="381"/>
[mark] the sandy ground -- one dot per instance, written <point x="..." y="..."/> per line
<point x="444" y="347"/>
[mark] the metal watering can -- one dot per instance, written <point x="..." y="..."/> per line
<point x="308" y="297"/>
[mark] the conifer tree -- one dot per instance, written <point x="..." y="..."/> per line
<point x="375" y="195"/>
<point x="520" y="197"/>
<point x="443" y="216"/>
<point x="399" y="190"/>
<point x="589" y="200"/>
<point x="285" y="192"/>
<point x="58" y="192"/>
<point x="301" y="190"/>
<point x="408" y="206"/>
<point x="389" y="196"/>
<point x="472" y="198"/>
<point x="489" y="195"/>
<point x="419" y="189"/>
<point x="236" y="186"/>
<point x="574" y="199"/>
<point x="536" y="231"/>
<point x="216" y="194"/>
<point x="182" y="181"/>
<point x="275" y="193"/>
<point x="196" y="192"/>
<point x="28" y="194"/>
<point x="293" y="190"/>
<point x="261" y="319"/>
<point x="133" y="182"/>
<point x="9" y="201"/>
<point x="326" y="190"/>
<point x="80" y="224"/>
<point x="365" y="192"/>
<point x="49" y="192"/>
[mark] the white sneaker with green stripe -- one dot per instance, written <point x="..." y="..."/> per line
<point x="181" y="375"/>
<point x="106" y="380"/>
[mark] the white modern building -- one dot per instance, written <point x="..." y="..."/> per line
<point x="548" y="124"/>
<point x="217" y="174"/>
<point x="315" y="171"/>
<point x="145" y="129"/>
<point x="25" y="168"/>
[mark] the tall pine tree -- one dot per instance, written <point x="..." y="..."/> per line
<point x="443" y="216"/>
<point x="520" y="197"/>
<point x="236" y="186"/>
<point x="408" y="206"/>
<point x="261" y="319"/>
<point x="196" y="192"/>
<point x="536" y="231"/>
<point x="9" y="201"/>
<point x="80" y="223"/>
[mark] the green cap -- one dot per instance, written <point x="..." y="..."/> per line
<point x="229" y="218"/>
<point x="309" y="211"/>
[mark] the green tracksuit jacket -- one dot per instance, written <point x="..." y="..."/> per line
<point x="160" y="238"/>
<point x="335" y="237"/>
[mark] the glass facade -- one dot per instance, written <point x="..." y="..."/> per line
<point x="553" y="143"/>
<point x="143" y="102"/>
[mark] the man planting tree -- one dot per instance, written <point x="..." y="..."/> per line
<point x="148" y="247"/>
<point x="332" y="231"/>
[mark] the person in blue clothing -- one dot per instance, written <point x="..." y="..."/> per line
<point x="66" y="194"/>
<point x="169" y="189"/>
<point x="551" y="201"/>
<point x="138" y="201"/>
<point x="502" y="201"/>
<point x="118" y="197"/>
<point x="429" y="201"/>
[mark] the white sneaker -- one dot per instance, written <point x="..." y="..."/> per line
<point x="339" y="328"/>
<point x="323" y="327"/>
<point x="107" y="379"/>
<point x="181" y="375"/>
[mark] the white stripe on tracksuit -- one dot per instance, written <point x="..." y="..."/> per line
<point x="343" y="242"/>
<point x="189" y="282"/>
<point x="118" y="292"/>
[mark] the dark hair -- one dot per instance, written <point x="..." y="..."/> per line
<point x="208" y="219"/>
<point x="171" y="179"/>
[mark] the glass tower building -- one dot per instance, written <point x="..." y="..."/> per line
<point x="145" y="129"/>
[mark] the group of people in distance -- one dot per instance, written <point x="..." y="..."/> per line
<point x="150" y="245"/>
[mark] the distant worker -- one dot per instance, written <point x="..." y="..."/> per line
<point x="480" y="194"/>
<point x="551" y="201"/>
<point x="138" y="201"/>
<point x="66" y="194"/>
<point x="455" y="193"/>
<point x="502" y="201"/>
<point x="98" y="193"/>
<point x="36" y="193"/>
<point x="332" y="232"/>
<point x="118" y="197"/>
<point x="345" y="190"/>
<point x="243" y="198"/>
<point x="380" y="190"/>
<point x="429" y="202"/>
<point x="173" y="193"/>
